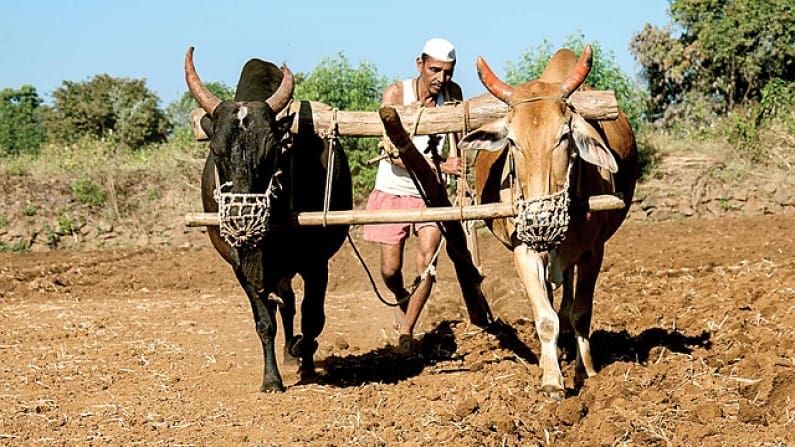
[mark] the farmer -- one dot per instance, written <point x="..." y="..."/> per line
<point x="394" y="188"/>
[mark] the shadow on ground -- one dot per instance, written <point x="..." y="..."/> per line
<point x="610" y="347"/>
<point x="388" y="364"/>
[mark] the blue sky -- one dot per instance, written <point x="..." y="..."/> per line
<point x="43" y="43"/>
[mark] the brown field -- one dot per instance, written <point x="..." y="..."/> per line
<point x="694" y="336"/>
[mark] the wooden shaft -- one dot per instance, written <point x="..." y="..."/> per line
<point x="469" y="277"/>
<point x="435" y="214"/>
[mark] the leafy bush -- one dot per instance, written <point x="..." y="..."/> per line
<point x="88" y="192"/>
<point x="724" y="50"/>
<point x="337" y="83"/>
<point x="777" y="100"/>
<point x="605" y="74"/>
<point x="21" y="128"/>
<point x="120" y="110"/>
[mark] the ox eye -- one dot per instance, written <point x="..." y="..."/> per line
<point x="563" y="134"/>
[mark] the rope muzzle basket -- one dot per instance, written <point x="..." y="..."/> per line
<point x="542" y="222"/>
<point x="244" y="219"/>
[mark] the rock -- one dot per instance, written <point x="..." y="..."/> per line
<point x="754" y="206"/>
<point x="570" y="411"/>
<point x="466" y="407"/>
<point x="686" y="210"/>
<point x="750" y="413"/>
<point x="740" y="194"/>
<point x="770" y="188"/>
<point x="661" y="214"/>
<point x="785" y="196"/>
<point x="653" y="395"/>
<point x="104" y="226"/>
<point x="637" y="214"/>
<point x="341" y="343"/>
<point x="782" y="394"/>
<point x="715" y="208"/>
<point x="707" y="412"/>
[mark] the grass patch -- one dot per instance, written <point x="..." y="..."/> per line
<point x="88" y="192"/>
<point x="19" y="246"/>
<point x="154" y="194"/>
<point x="30" y="209"/>
<point x="66" y="225"/>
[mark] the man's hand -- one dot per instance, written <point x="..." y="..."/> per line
<point x="451" y="166"/>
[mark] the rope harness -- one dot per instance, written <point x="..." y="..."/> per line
<point x="332" y="135"/>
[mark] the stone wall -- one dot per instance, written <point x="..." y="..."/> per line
<point x="41" y="215"/>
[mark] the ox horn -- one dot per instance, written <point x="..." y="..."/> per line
<point x="206" y="99"/>
<point x="578" y="74"/>
<point x="281" y="97"/>
<point x="493" y="84"/>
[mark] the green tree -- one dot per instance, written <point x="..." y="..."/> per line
<point x="605" y="73"/>
<point x="178" y="112"/>
<point x="716" y="54"/>
<point x="121" y="110"/>
<point x="339" y="84"/>
<point x="21" y="128"/>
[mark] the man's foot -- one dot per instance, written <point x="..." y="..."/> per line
<point x="397" y="319"/>
<point x="399" y="311"/>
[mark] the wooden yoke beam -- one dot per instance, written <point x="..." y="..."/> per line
<point x="591" y="104"/>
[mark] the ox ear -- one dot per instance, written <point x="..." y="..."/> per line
<point x="590" y="145"/>
<point x="490" y="137"/>
<point x="201" y="124"/>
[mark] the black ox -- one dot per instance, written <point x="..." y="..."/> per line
<point x="251" y="151"/>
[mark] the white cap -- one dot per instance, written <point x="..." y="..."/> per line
<point x="439" y="49"/>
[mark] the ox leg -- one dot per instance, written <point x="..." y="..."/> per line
<point x="532" y="271"/>
<point x="566" y="340"/>
<point x="284" y="289"/>
<point x="580" y="313"/>
<point x="264" y="311"/>
<point x="313" y="317"/>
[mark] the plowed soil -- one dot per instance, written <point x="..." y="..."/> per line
<point x="693" y="335"/>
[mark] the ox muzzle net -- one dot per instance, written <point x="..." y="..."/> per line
<point x="244" y="219"/>
<point x="542" y="222"/>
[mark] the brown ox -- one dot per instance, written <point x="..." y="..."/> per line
<point x="542" y="147"/>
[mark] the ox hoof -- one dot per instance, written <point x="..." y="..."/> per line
<point x="553" y="392"/>
<point x="307" y="374"/>
<point x="300" y="347"/>
<point x="272" y="387"/>
<point x="289" y="358"/>
<point x="407" y="344"/>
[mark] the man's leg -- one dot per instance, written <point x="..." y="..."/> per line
<point x="429" y="238"/>
<point x="391" y="271"/>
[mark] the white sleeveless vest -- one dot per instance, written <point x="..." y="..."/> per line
<point x="393" y="179"/>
